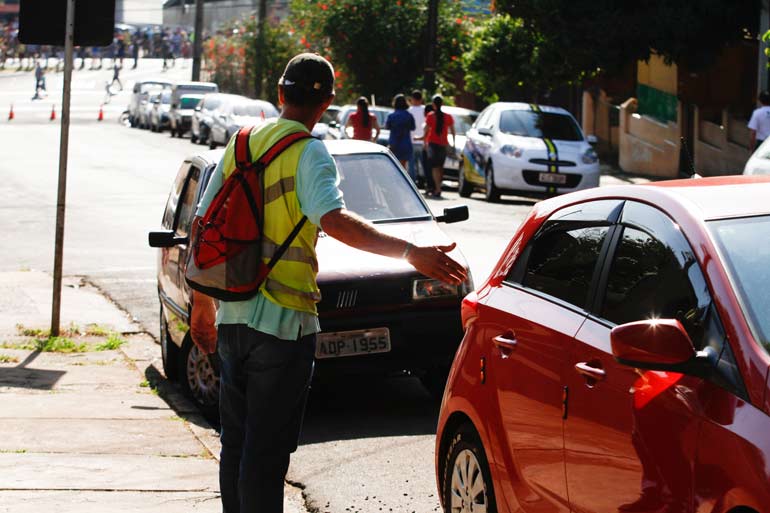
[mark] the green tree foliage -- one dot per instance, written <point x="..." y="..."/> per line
<point x="377" y="46"/>
<point x="507" y="60"/>
<point x="607" y="34"/>
<point x="231" y="57"/>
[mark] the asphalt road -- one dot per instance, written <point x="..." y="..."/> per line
<point x="367" y="445"/>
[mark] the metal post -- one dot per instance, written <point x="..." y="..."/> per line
<point x="430" y="52"/>
<point x="259" y="43"/>
<point x="69" y="36"/>
<point x="198" y="42"/>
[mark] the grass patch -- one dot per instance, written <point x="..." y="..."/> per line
<point x="31" y="332"/>
<point x="13" y="451"/>
<point x="148" y="384"/>
<point x="25" y="346"/>
<point x="97" y="330"/>
<point x="112" y="343"/>
<point x="92" y="362"/>
<point x="60" y="345"/>
<point x="4" y="358"/>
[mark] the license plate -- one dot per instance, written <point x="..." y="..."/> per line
<point x="553" y="178"/>
<point x="352" y="343"/>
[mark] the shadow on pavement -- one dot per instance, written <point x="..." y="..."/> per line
<point x="170" y="393"/>
<point x="365" y="407"/>
<point x="22" y="376"/>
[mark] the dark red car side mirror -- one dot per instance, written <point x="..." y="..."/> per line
<point x="660" y="344"/>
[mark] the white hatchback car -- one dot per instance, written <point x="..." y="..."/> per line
<point x="530" y="148"/>
<point x="759" y="162"/>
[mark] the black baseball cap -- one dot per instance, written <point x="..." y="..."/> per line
<point x="309" y="73"/>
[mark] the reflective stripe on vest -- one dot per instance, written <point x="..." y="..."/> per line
<point x="292" y="282"/>
<point x="275" y="286"/>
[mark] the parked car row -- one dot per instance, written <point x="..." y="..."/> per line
<point x="617" y="358"/>
<point x="195" y="107"/>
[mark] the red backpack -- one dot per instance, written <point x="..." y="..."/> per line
<point x="225" y="260"/>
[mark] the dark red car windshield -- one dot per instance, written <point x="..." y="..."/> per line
<point x="745" y="247"/>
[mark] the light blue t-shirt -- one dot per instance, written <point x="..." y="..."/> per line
<point x="318" y="192"/>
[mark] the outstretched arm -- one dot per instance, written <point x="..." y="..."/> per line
<point x="431" y="261"/>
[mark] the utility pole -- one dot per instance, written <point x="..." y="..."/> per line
<point x="69" y="37"/>
<point x="430" y="53"/>
<point x="259" y="43"/>
<point x="198" y="41"/>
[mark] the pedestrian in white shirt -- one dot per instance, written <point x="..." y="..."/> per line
<point x="759" y="124"/>
<point x="417" y="110"/>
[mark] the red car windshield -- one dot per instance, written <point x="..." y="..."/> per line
<point x="745" y="247"/>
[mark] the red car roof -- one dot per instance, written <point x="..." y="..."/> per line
<point x="704" y="198"/>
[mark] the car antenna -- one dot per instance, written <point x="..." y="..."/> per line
<point x="690" y="163"/>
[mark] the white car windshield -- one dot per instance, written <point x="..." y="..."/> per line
<point x="463" y="122"/>
<point x="376" y="189"/>
<point x="745" y="246"/>
<point x="547" y="125"/>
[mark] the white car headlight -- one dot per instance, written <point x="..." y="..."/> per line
<point x="590" y="156"/>
<point x="511" y="151"/>
<point x="428" y="289"/>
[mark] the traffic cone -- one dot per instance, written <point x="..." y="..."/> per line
<point x="53" y="112"/>
<point x="11" y="114"/>
<point x="101" y="113"/>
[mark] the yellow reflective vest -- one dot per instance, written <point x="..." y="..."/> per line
<point x="292" y="282"/>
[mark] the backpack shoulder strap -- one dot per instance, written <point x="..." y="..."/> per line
<point x="242" y="150"/>
<point x="280" y="146"/>
<point x="243" y="159"/>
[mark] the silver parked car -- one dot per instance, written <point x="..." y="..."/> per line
<point x="231" y="116"/>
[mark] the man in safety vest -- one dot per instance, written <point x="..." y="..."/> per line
<point x="267" y="344"/>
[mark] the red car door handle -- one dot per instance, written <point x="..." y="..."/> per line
<point x="505" y="343"/>
<point x="590" y="372"/>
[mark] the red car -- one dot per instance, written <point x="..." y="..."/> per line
<point x="616" y="360"/>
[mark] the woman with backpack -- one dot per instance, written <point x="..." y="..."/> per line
<point x="363" y="122"/>
<point x="437" y="126"/>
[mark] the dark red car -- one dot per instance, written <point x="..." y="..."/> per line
<point x="616" y="360"/>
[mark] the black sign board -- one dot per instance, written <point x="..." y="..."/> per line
<point x="42" y="22"/>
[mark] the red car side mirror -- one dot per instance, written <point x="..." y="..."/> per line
<point x="660" y="344"/>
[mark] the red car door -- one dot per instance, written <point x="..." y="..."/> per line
<point x="631" y="435"/>
<point x="530" y="321"/>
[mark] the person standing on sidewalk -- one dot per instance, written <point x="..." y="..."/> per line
<point x="437" y="126"/>
<point x="759" y="124"/>
<point x="417" y="110"/>
<point x="363" y="122"/>
<point x="400" y="123"/>
<point x="266" y="344"/>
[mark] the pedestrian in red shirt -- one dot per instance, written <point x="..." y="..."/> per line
<point x="363" y="122"/>
<point x="437" y="125"/>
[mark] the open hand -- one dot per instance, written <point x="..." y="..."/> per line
<point x="433" y="261"/>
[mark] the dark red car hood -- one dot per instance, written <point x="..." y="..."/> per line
<point x="338" y="261"/>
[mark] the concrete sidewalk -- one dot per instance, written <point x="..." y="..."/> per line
<point x="89" y="422"/>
